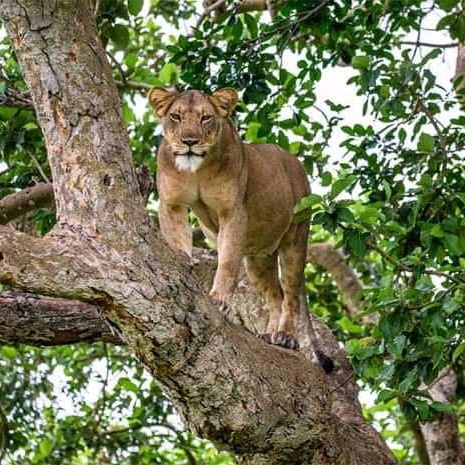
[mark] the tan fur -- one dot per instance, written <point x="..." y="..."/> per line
<point x="243" y="195"/>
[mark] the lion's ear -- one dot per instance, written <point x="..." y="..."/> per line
<point x="224" y="100"/>
<point x="161" y="99"/>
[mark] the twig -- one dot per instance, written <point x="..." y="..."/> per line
<point x="41" y="171"/>
<point x="284" y="24"/>
<point x="133" y="85"/>
<point x="403" y="267"/>
<point x="118" y="65"/>
<point x="418" y="43"/>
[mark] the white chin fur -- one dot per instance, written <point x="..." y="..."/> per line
<point x="188" y="163"/>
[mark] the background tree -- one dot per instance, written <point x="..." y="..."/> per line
<point x="394" y="201"/>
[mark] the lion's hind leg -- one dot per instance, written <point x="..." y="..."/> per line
<point x="292" y="259"/>
<point x="263" y="275"/>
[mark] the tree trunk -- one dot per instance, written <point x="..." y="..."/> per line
<point x="442" y="436"/>
<point x="267" y="405"/>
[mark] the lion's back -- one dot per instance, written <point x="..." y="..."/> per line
<point x="281" y="167"/>
<point x="276" y="181"/>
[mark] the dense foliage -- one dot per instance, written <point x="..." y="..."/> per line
<point x="389" y="183"/>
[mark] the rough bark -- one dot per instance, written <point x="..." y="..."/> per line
<point x="41" y="196"/>
<point x="441" y="435"/>
<point x="268" y="405"/>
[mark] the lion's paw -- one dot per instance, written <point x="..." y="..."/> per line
<point x="280" y="338"/>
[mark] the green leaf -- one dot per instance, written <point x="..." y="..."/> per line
<point x="344" y="215"/>
<point x="326" y="178"/>
<point x="459" y="350"/>
<point x="384" y="91"/>
<point x="425" y="143"/>
<point x="128" y="114"/>
<point x="168" y="73"/>
<point x="355" y="243"/>
<point x="307" y="202"/>
<point x="408" y="381"/>
<point x="9" y="352"/>
<point x="45" y="447"/>
<point x="251" y="23"/>
<point x="451" y="241"/>
<point x="360" y="62"/>
<point x="341" y="184"/>
<point x="119" y="34"/>
<point x="436" y="231"/>
<point x="386" y="395"/>
<point x="387" y="190"/>
<point x="447" y="5"/>
<point x="135" y="6"/>
<point x="127" y="385"/>
<point x="423" y="409"/>
<point x="442" y="407"/>
<point x="349" y="326"/>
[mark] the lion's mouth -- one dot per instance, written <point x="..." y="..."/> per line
<point x="191" y="153"/>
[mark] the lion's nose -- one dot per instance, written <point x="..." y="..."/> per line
<point x="190" y="141"/>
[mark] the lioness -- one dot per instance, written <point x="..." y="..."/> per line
<point x="243" y="196"/>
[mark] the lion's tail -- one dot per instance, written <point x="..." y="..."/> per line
<point x="325" y="361"/>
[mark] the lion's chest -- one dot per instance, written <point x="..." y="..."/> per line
<point x="208" y="198"/>
<point x="212" y="203"/>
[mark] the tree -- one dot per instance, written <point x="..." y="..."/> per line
<point x="103" y="257"/>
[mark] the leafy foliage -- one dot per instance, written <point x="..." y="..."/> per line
<point x="390" y="183"/>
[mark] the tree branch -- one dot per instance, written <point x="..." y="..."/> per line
<point x="334" y="261"/>
<point x="16" y="98"/>
<point x="45" y="321"/>
<point x="427" y="44"/>
<point x="248" y="308"/>
<point x="19" y="203"/>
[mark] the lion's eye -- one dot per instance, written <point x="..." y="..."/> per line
<point x="207" y="118"/>
<point x="175" y="117"/>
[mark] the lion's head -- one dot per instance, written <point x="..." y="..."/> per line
<point x="192" y="121"/>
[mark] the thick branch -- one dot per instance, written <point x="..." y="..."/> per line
<point x="19" y="203"/>
<point x="251" y="312"/>
<point x="46" y="321"/>
<point x="71" y="85"/>
<point x="332" y="260"/>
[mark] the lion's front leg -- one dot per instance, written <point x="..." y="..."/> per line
<point x="175" y="227"/>
<point x="231" y="239"/>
